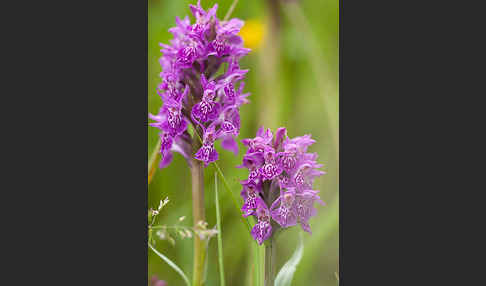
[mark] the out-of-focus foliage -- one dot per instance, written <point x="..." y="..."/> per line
<point x="300" y="108"/>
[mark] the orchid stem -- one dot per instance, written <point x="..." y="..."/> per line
<point x="197" y="174"/>
<point x="270" y="259"/>
<point x="270" y="245"/>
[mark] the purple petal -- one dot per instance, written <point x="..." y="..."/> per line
<point x="165" y="160"/>
<point x="280" y="135"/>
<point x="230" y="144"/>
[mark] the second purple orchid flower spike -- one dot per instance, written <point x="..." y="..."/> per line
<point x="279" y="184"/>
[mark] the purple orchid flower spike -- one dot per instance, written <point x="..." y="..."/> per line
<point x="195" y="91"/>
<point x="190" y="89"/>
<point x="282" y="172"/>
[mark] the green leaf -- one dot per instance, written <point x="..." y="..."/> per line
<point x="286" y="273"/>
<point x="220" y="239"/>
<point x="171" y="264"/>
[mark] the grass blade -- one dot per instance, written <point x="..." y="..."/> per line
<point x="286" y="273"/>
<point x="230" y="10"/>
<point x="171" y="264"/>
<point x="235" y="202"/>
<point x="152" y="165"/>
<point x="220" y="239"/>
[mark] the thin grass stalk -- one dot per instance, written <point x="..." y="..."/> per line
<point x="220" y="239"/>
<point x="230" y="10"/>
<point x="152" y="164"/>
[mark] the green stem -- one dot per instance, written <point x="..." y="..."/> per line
<point x="256" y="265"/>
<point x="197" y="174"/>
<point x="270" y="260"/>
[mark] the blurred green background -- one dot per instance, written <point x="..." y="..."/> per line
<point x="293" y="80"/>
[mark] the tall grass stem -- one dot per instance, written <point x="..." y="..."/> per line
<point x="220" y="233"/>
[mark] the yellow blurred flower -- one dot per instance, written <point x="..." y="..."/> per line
<point x="253" y="33"/>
